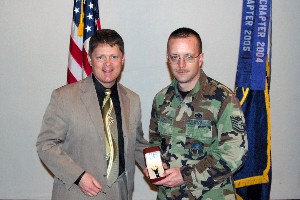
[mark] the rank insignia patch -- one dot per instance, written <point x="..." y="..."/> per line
<point x="237" y="123"/>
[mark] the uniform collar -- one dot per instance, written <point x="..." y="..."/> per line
<point x="200" y="84"/>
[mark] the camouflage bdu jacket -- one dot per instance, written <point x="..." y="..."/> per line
<point x="202" y="134"/>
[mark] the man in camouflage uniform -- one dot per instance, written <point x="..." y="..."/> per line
<point x="199" y="126"/>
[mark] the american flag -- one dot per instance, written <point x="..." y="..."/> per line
<point x="85" y="22"/>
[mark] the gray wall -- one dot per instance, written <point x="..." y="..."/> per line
<point x="34" y="49"/>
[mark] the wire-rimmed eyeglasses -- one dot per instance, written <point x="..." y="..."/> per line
<point x="188" y="59"/>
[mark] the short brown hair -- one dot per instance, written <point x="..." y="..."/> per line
<point x="106" y="36"/>
<point x="184" y="33"/>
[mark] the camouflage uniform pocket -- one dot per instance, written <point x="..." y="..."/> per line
<point x="199" y="129"/>
<point x="198" y="138"/>
<point x="165" y="125"/>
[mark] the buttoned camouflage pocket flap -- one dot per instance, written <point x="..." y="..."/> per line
<point x="199" y="129"/>
<point x="165" y="125"/>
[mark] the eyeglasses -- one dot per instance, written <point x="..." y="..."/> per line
<point x="188" y="59"/>
<point x="112" y="58"/>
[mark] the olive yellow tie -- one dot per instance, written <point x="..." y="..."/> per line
<point x="111" y="138"/>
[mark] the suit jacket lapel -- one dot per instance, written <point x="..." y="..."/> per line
<point x="125" y="110"/>
<point x="90" y="101"/>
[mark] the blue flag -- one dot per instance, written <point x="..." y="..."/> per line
<point x="253" y="180"/>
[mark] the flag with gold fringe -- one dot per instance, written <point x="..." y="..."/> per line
<point x="252" y="86"/>
<point x="85" y="22"/>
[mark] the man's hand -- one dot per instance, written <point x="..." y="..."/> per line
<point x="146" y="173"/>
<point x="173" y="178"/>
<point x="89" y="185"/>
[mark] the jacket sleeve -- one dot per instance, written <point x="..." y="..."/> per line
<point x="141" y="143"/>
<point x="49" y="142"/>
<point x="154" y="136"/>
<point x="227" y="154"/>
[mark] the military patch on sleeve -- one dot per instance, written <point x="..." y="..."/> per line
<point x="237" y="123"/>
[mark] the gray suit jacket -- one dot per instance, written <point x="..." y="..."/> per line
<point x="72" y="137"/>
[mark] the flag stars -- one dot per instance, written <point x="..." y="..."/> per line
<point x="76" y="10"/>
<point x="90" y="16"/>
<point x="88" y="28"/>
<point x="91" y="5"/>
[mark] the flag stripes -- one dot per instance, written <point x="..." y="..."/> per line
<point x="85" y="22"/>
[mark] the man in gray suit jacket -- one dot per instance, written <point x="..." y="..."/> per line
<point x="72" y="140"/>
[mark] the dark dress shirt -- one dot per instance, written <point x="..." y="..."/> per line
<point x="100" y="90"/>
